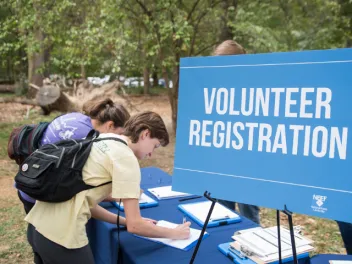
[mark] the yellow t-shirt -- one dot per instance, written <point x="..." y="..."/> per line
<point x="64" y="223"/>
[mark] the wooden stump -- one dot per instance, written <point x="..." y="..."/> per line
<point x="50" y="98"/>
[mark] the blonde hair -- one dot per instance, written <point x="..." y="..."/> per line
<point x="229" y="47"/>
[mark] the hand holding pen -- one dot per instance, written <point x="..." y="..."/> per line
<point x="183" y="230"/>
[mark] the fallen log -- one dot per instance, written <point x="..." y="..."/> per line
<point x="7" y="88"/>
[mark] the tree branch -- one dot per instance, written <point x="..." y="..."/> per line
<point x="145" y="9"/>
<point x="205" y="48"/>
<point x="196" y="25"/>
<point x="192" y="10"/>
<point x="34" y="86"/>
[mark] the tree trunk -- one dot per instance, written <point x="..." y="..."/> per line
<point x="226" y="32"/>
<point x="155" y="79"/>
<point x="83" y="72"/>
<point x="174" y="97"/>
<point x="170" y="93"/>
<point x="146" y="80"/>
<point x="7" y="88"/>
<point x="36" y="62"/>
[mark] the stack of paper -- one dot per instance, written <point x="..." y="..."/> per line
<point x="184" y="244"/>
<point x="165" y="192"/>
<point x="263" y="243"/>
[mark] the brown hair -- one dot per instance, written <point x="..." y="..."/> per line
<point x="147" y="120"/>
<point x="229" y="47"/>
<point x="105" y="110"/>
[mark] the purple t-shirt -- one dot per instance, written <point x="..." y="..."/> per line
<point x="72" y="125"/>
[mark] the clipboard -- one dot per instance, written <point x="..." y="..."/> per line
<point x="199" y="210"/>
<point x="144" y="202"/>
<point x="166" y="192"/>
<point x="234" y="255"/>
<point x="237" y="257"/>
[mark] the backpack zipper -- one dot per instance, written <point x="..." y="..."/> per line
<point x="61" y="155"/>
<point x="74" y="158"/>
<point x="37" y="151"/>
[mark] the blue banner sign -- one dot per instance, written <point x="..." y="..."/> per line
<point x="269" y="130"/>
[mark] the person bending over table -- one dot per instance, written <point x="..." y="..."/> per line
<point x="103" y="115"/>
<point x="57" y="230"/>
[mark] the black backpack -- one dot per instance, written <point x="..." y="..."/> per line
<point x="24" y="140"/>
<point x="53" y="173"/>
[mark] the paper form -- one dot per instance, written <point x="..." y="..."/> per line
<point x="165" y="192"/>
<point x="263" y="242"/>
<point x="180" y="244"/>
<point x="286" y="236"/>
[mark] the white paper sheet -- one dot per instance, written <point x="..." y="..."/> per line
<point x="286" y="236"/>
<point x="165" y="192"/>
<point x="201" y="210"/>
<point x="263" y="242"/>
<point x="180" y="244"/>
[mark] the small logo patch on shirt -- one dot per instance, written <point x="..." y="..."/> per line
<point x="36" y="166"/>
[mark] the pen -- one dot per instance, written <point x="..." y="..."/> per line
<point x="189" y="198"/>
<point x="184" y="220"/>
<point x="219" y="219"/>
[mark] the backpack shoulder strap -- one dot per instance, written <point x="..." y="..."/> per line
<point x="93" y="134"/>
<point x="110" y="138"/>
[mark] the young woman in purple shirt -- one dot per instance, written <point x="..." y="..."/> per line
<point x="103" y="115"/>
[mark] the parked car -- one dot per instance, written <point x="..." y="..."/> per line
<point x="162" y="83"/>
<point x="98" y="80"/>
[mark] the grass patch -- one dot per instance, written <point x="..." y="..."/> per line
<point x="7" y="95"/>
<point x="14" y="247"/>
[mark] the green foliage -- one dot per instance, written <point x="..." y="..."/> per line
<point x="269" y="26"/>
<point x="120" y="36"/>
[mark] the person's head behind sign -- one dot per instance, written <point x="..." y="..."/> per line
<point x="229" y="47"/>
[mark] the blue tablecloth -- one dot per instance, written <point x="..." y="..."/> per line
<point x="324" y="258"/>
<point x="103" y="236"/>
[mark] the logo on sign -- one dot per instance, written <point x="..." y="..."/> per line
<point x="318" y="203"/>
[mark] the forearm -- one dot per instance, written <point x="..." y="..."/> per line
<point x="102" y="214"/>
<point x="148" y="229"/>
<point x="137" y="225"/>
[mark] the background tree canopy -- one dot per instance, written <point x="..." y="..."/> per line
<point x="148" y="37"/>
